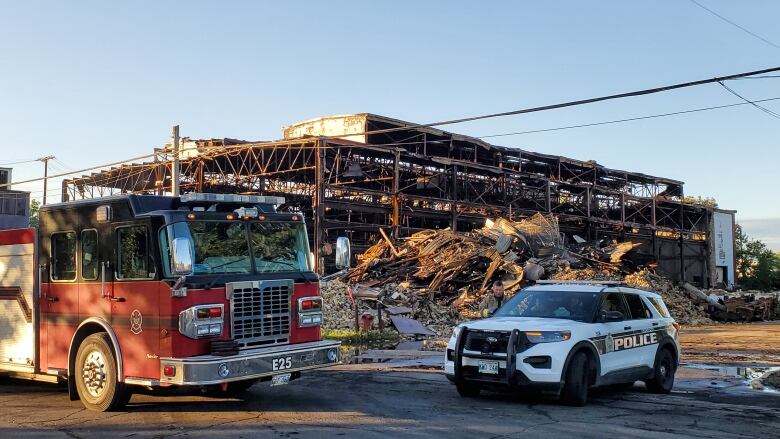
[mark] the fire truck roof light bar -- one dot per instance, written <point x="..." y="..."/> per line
<point x="194" y="197"/>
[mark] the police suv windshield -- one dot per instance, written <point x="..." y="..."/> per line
<point x="237" y="247"/>
<point x="579" y="306"/>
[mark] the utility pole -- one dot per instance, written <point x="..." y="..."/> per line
<point x="175" y="170"/>
<point x="45" y="161"/>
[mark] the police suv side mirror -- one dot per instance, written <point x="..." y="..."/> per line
<point x="612" y="316"/>
<point x="181" y="257"/>
<point x="343" y="253"/>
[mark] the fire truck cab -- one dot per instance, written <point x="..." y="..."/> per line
<point x="155" y="291"/>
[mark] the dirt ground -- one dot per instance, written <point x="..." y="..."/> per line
<point x="736" y="343"/>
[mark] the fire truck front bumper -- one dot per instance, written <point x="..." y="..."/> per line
<point x="249" y="364"/>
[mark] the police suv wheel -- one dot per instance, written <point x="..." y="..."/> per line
<point x="467" y="390"/>
<point x="663" y="373"/>
<point x="575" y="387"/>
<point x="96" y="375"/>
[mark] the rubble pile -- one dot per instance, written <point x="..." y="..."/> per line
<point x="439" y="277"/>
<point x="339" y="312"/>
<point x="446" y="262"/>
<point x="339" y="301"/>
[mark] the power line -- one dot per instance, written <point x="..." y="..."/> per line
<point x="62" y="164"/>
<point x="630" y="119"/>
<point x="734" y="24"/>
<point x="761" y="77"/>
<point x="467" y="119"/>
<point x="753" y="103"/>
<point x="19" y="162"/>
<point x="576" y="103"/>
<point x="83" y="170"/>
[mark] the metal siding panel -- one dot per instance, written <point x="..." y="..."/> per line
<point x="17" y="264"/>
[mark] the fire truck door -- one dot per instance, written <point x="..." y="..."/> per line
<point x="60" y="299"/>
<point x="95" y="285"/>
<point x="135" y="301"/>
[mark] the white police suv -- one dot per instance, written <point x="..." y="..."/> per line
<point x="564" y="338"/>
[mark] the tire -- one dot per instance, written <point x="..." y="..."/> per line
<point x="467" y="390"/>
<point x="96" y="375"/>
<point x="663" y="373"/>
<point x="575" y="387"/>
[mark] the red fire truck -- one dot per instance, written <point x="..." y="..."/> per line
<point x="137" y="290"/>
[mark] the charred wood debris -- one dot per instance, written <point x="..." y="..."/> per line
<point x="439" y="277"/>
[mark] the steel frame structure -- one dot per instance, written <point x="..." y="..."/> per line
<point x="413" y="178"/>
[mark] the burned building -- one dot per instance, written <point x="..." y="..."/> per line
<point x="352" y="174"/>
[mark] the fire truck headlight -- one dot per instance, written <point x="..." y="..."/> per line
<point x="201" y="321"/>
<point x="309" y="311"/>
<point x="333" y="355"/>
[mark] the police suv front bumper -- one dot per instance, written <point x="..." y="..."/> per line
<point x="249" y="364"/>
<point x="514" y="369"/>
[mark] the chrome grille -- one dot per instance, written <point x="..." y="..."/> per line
<point x="260" y="311"/>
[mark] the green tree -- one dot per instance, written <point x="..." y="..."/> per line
<point x="757" y="266"/>
<point x="35" y="205"/>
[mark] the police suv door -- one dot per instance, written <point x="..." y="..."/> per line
<point x="615" y="323"/>
<point x="645" y="341"/>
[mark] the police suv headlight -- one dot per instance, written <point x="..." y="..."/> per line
<point x="547" y="336"/>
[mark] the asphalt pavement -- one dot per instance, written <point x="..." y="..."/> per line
<point x="367" y="402"/>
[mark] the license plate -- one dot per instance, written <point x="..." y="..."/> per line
<point x="489" y="367"/>
<point x="280" y="380"/>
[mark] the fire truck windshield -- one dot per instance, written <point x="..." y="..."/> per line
<point x="236" y="247"/>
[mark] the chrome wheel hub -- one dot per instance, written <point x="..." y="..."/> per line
<point x="94" y="373"/>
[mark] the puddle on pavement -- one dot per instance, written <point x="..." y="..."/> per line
<point x="755" y="376"/>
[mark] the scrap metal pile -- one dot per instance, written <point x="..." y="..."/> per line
<point x="745" y="306"/>
<point x="439" y="277"/>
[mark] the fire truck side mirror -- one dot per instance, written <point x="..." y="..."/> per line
<point x="181" y="257"/>
<point x="343" y="253"/>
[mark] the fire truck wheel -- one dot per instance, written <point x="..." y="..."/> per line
<point x="96" y="375"/>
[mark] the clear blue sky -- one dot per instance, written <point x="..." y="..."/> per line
<point x="94" y="82"/>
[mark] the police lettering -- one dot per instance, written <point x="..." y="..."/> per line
<point x="635" y="341"/>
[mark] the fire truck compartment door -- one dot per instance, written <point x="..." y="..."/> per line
<point x="17" y="268"/>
